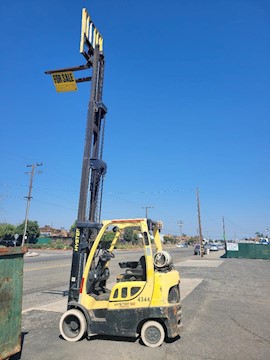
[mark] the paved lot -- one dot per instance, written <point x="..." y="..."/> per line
<point x="226" y="307"/>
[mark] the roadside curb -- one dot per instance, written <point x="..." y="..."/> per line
<point x="31" y="254"/>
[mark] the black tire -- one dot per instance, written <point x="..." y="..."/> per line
<point x="152" y="334"/>
<point x="72" y="325"/>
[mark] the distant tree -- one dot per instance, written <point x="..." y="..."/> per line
<point x="108" y="236"/>
<point x="72" y="229"/>
<point x="107" y="239"/>
<point x="7" y="229"/>
<point x="32" y="231"/>
<point x="194" y="239"/>
<point x="259" y="234"/>
<point x="128" y="234"/>
<point x="169" y="239"/>
<point x="135" y="239"/>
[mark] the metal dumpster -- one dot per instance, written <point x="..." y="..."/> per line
<point x="247" y="251"/>
<point x="11" y="284"/>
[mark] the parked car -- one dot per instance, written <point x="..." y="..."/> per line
<point x="213" y="247"/>
<point x="220" y="246"/>
<point x="181" y="245"/>
<point x="12" y="242"/>
<point x="9" y="243"/>
<point x="264" y="242"/>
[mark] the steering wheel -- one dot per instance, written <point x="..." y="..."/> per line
<point x="111" y="254"/>
<point x="107" y="255"/>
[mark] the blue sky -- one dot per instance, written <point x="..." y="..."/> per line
<point x="187" y="90"/>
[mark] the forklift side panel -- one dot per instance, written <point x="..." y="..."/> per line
<point x="127" y="322"/>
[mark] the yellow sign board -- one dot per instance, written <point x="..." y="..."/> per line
<point x="64" y="81"/>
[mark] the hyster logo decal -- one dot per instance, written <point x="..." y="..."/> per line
<point x="77" y="240"/>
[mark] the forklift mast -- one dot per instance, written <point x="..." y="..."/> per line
<point x="93" y="170"/>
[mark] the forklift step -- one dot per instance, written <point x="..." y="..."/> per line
<point x="98" y="320"/>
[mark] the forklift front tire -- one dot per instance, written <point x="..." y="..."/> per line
<point x="152" y="334"/>
<point x="72" y="325"/>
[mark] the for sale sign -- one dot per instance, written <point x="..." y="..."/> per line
<point x="64" y="81"/>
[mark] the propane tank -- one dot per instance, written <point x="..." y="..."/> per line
<point x="163" y="259"/>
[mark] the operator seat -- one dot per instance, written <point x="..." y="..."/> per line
<point x="137" y="273"/>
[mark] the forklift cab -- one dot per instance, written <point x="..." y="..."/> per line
<point x="141" y="297"/>
<point x="135" y="270"/>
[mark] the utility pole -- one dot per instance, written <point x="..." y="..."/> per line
<point x="180" y="223"/>
<point x="29" y="197"/>
<point x="199" y="222"/>
<point x="224" y="232"/>
<point x="146" y="210"/>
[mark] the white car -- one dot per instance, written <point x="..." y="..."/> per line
<point x="220" y="246"/>
<point x="264" y="242"/>
<point x="180" y="245"/>
<point x="213" y="247"/>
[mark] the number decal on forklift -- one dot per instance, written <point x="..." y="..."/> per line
<point x="143" y="299"/>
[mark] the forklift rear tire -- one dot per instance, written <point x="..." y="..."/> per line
<point x="72" y="325"/>
<point x="152" y="334"/>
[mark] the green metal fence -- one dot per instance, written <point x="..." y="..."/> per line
<point x="248" y="251"/>
<point x="11" y="284"/>
<point x="44" y="240"/>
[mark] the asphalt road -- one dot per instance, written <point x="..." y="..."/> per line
<point x="226" y="308"/>
<point x="46" y="277"/>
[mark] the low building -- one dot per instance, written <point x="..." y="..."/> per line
<point x="48" y="231"/>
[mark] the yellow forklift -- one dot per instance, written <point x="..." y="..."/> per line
<point x="142" y="300"/>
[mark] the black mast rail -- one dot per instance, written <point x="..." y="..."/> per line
<point x="93" y="166"/>
<point x="93" y="172"/>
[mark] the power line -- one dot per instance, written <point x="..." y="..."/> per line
<point x="56" y="205"/>
<point x="122" y="199"/>
<point x="238" y="226"/>
<point x="155" y="192"/>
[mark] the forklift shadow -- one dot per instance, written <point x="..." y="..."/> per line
<point x="172" y="340"/>
<point x="128" y="339"/>
<point x="167" y="340"/>
<point x="103" y="337"/>
<point x="19" y="354"/>
<point x="112" y="338"/>
<point x="119" y="338"/>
